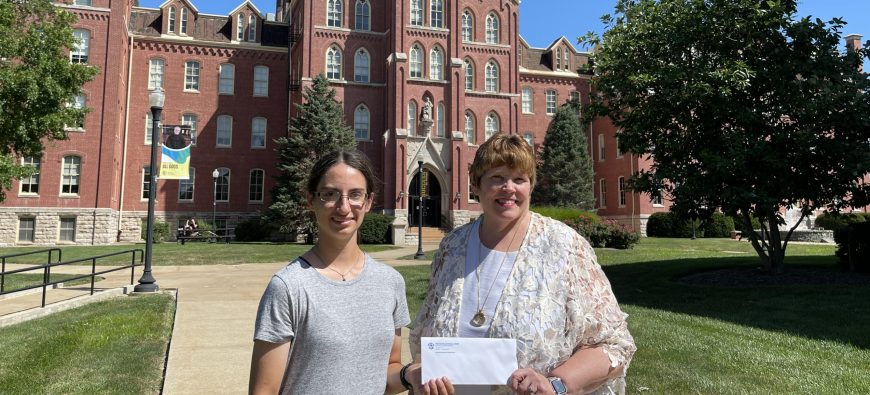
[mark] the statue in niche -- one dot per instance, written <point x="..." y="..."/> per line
<point x="427" y="109"/>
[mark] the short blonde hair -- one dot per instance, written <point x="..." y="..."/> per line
<point x="503" y="150"/>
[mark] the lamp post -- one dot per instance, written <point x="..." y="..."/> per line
<point x="147" y="283"/>
<point x="214" y="175"/>
<point x="420" y="254"/>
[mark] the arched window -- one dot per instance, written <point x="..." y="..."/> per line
<point x="436" y="64"/>
<point x="252" y="28"/>
<point x="469" y="75"/>
<point x="491" y="29"/>
<point x="255" y="185"/>
<point x="361" y="66"/>
<point x="155" y="73"/>
<point x="439" y="117"/>
<point x="470" y="133"/>
<point x="183" y="28"/>
<point x="416" y="12"/>
<point x="361" y="125"/>
<point x="191" y="76"/>
<point x="258" y="132"/>
<point x="222" y="185"/>
<point x="416" y="62"/>
<point x="333" y="63"/>
<point x="82" y="47"/>
<point x="492" y="125"/>
<point x="412" y="118"/>
<point x="467" y="26"/>
<point x="171" y="25"/>
<point x="551" y="101"/>
<point x="240" y="27"/>
<point x="334" y="13"/>
<point x="436" y="16"/>
<point x="363" y="12"/>
<point x="566" y="61"/>
<point x="491" y="77"/>
<point x="558" y="58"/>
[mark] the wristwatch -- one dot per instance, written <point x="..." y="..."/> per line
<point x="558" y="386"/>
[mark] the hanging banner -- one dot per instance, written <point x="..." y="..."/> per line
<point x="175" y="160"/>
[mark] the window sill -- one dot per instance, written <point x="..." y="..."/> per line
<point x="76" y="130"/>
<point x="261" y="96"/>
<point x="196" y="91"/>
<point x="28" y="195"/>
<point x="258" y="148"/>
<point x="528" y="113"/>
<point x="223" y="146"/>
<point x="68" y="196"/>
<point x="226" y="93"/>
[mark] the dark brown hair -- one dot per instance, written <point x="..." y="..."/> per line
<point x="352" y="158"/>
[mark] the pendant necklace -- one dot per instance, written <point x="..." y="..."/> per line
<point x="480" y="318"/>
<point x="340" y="274"/>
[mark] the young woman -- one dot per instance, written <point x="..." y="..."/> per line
<point x="329" y="322"/>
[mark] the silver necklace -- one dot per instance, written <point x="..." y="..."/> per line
<point x="480" y="318"/>
<point x="340" y="274"/>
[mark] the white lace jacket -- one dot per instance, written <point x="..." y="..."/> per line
<point x="556" y="300"/>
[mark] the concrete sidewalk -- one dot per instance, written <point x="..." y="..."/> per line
<point x="212" y="340"/>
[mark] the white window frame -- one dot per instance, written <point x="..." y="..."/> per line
<point x="184" y="184"/>
<point x="334" y="13"/>
<point x="492" y="125"/>
<point x="415" y="59"/>
<point x="64" y="233"/>
<point x="191" y="120"/>
<point x="70" y="175"/>
<point x="80" y="51"/>
<point x="416" y="13"/>
<point x="492" y="29"/>
<point x="530" y="138"/>
<point x="412" y="118"/>
<point x="602" y="193"/>
<point x="469" y="75"/>
<point x="467" y="26"/>
<point x="333" y="63"/>
<point x="551" y="101"/>
<point x="361" y="66"/>
<point x="470" y="132"/>
<point x="491" y="77"/>
<point x="440" y="120"/>
<point x="558" y="59"/>
<point x="171" y="24"/>
<point x="261" y="81"/>
<point x="252" y="28"/>
<point x="258" y="132"/>
<point x="183" y="28"/>
<point x="79" y="101"/>
<point x="362" y="123"/>
<point x="156" y="71"/>
<point x="436" y="13"/>
<point x="227" y="79"/>
<point x="145" y="189"/>
<point x="191" y="76"/>
<point x="256" y="186"/>
<point x="436" y="64"/>
<point x="240" y="27"/>
<point x="30" y="230"/>
<point x="363" y="15"/>
<point x="224" y="127"/>
<point x="621" y="187"/>
<point x="223" y="182"/>
<point x="527" y="100"/>
<point x="601" y="148"/>
<point x="32" y="182"/>
<point x="657" y="201"/>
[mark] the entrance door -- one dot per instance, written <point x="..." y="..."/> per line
<point x="431" y="200"/>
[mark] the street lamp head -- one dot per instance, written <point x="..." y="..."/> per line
<point x="215" y="173"/>
<point x="458" y="195"/>
<point x="156" y="98"/>
<point x="420" y="160"/>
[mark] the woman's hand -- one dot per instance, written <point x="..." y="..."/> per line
<point x="528" y="382"/>
<point x="441" y="386"/>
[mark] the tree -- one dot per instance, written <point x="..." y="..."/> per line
<point x="37" y="82"/>
<point x="565" y="172"/>
<point x="740" y="106"/>
<point x="317" y="129"/>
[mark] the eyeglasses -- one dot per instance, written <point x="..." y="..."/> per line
<point x="333" y="198"/>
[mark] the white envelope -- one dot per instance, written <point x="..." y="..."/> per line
<point x="468" y="360"/>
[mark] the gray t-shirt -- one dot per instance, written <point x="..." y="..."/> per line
<point x="341" y="331"/>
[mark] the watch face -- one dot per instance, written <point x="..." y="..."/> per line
<point x="558" y="386"/>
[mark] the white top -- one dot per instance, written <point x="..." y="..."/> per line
<point x="490" y="275"/>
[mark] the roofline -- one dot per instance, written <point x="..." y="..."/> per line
<point x="260" y="13"/>
<point x="188" y="3"/>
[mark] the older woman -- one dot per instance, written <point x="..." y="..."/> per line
<point x="515" y="274"/>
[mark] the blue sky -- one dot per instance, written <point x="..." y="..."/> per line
<point x="542" y="21"/>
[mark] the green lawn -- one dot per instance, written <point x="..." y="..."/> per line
<point x="192" y="253"/>
<point x="116" y="346"/>
<point x="15" y="281"/>
<point x="730" y="340"/>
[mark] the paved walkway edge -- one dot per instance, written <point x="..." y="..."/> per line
<point x="27" y="315"/>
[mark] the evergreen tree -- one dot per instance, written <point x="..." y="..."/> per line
<point x="37" y="82"/>
<point x="565" y="172"/>
<point x="317" y="129"/>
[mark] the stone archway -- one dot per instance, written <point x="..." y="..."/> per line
<point x="431" y="200"/>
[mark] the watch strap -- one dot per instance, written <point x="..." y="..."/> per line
<point x="558" y="386"/>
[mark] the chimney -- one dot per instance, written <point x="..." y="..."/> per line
<point x="853" y="42"/>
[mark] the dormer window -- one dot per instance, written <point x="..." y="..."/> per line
<point x="183" y="29"/>
<point x="240" y="27"/>
<point x="252" y="28"/>
<point x="171" y="26"/>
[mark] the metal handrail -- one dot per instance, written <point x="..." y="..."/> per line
<point x="47" y="271"/>
<point x="3" y="262"/>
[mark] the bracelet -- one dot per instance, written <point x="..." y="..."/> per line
<point x="402" y="378"/>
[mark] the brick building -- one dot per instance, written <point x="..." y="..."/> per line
<point x="421" y="80"/>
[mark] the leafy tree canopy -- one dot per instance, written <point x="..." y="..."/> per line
<point x="565" y="173"/>
<point x="317" y="129"/>
<point x="37" y="82"/>
<point x="740" y="105"/>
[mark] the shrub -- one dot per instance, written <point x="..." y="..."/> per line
<point x="376" y="229"/>
<point x="161" y="231"/>
<point x="252" y="229"/>
<point x="853" y="246"/>
<point x="660" y="225"/>
<point x="565" y="213"/>
<point x="620" y="236"/>
<point x="838" y="221"/>
<point x="718" y="225"/>
<point x="607" y="234"/>
<point x="738" y="224"/>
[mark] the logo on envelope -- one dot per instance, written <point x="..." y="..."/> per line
<point x="431" y="345"/>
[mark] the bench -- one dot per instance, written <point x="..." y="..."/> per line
<point x="203" y="235"/>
